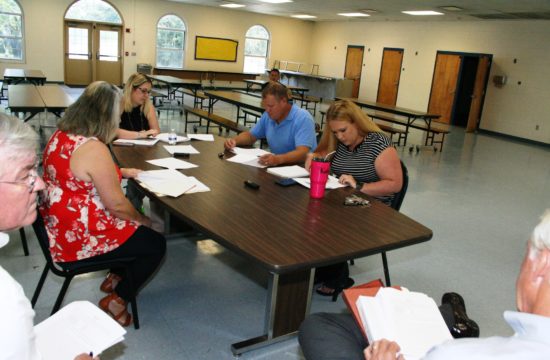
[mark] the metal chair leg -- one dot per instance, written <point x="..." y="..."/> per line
<point x="24" y="241"/>
<point x="39" y="285"/>
<point x="61" y="295"/>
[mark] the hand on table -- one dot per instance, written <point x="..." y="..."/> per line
<point x="347" y="180"/>
<point x="269" y="160"/>
<point x="130" y="173"/>
<point x="229" y="144"/>
<point x="147" y="133"/>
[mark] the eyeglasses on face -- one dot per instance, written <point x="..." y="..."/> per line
<point x="29" y="181"/>
<point x="144" y="91"/>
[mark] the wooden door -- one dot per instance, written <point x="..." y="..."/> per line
<point x="78" y="53"/>
<point x="479" y="93"/>
<point x="108" y="53"/>
<point x="390" y="73"/>
<point x="445" y="78"/>
<point x="354" y="65"/>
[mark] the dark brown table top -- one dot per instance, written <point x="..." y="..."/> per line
<point x="54" y="96"/>
<point x="24" y="96"/>
<point x="282" y="229"/>
<point x="391" y="109"/>
<point x="238" y="99"/>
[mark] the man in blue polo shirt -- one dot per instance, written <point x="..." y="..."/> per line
<point x="289" y="129"/>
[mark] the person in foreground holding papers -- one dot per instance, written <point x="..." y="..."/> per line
<point x="364" y="159"/>
<point x="326" y="336"/>
<point x="85" y="212"/>
<point x="19" y="187"/>
<point x="289" y="129"/>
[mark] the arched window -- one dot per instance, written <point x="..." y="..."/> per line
<point x="11" y="31"/>
<point x="170" y="42"/>
<point x="93" y="10"/>
<point x="256" y="47"/>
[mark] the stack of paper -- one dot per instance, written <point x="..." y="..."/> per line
<point x="172" y="163"/>
<point x="170" y="182"/>
<point x="140" y="142"/>
<point x="293" y="171"/>
<point x="164" y="138"/>
<point x="80" y="327"/>
<point x="182" y="149"/>
<point x="411" y="319"/>
<point x="332" y="182"/>
<point x="202" y="137"/>
<point x="247" y="156"/>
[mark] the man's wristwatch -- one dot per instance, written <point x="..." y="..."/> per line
<point x="358" y="185"/>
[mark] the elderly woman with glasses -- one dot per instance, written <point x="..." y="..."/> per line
<point x="139" y="119"/>
<point x="85" y="212"/>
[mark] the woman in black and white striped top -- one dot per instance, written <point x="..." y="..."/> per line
<point x="365" y="160"/>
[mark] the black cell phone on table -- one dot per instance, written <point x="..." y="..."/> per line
<point x="286" y="182"/>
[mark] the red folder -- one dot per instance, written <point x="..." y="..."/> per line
<point x="350" y="297"/>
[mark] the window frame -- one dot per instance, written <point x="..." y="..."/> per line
<point x="23" y="46"/>
<point x="184" y="30"/>
<point x="268" y="47"/>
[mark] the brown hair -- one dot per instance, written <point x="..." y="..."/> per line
<point x="95" y="113"/>
<point x="278" y="90"/>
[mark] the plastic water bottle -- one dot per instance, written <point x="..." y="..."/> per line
<point x="172" y="137"/>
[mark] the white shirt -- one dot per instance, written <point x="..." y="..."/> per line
<point x="17" y="339"/>
<point x="531" y="341"/>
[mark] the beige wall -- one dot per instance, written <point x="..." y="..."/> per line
<point x="44" y="34"/>
<point x="513" y="109"/>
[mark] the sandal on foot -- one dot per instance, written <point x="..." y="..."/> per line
<point x="123" y="317"/>
<point x="324" y="290"/>
<point x="109" y="284"/>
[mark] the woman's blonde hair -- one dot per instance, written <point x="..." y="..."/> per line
<point x="344" y="110"/>
<point x="134" y="82"/>
<point x="95" y="113"/>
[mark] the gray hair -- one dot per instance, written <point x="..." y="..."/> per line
<point x="540" y="239"/>
<point x="17" y="140"/>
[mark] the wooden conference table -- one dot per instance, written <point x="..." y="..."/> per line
<point x="27" y="98"/>
<point x="410" y="115"/>
<point x="280" y="229"/>
<point x="16" y="76"/>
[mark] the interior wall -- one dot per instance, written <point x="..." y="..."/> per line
<point x="44" y="34"/>
<point x="514" y="109"/>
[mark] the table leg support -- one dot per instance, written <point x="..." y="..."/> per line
<point x="288" y="303"/>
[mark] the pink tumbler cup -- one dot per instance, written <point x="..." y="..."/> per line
<point x="318" y="176"/>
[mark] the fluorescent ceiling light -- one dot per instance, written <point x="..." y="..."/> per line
<point x="303" y="16"/>
<point x="276" y="1"/>
<point x="422" y="12"/>
<point x="232" y="5"/>
<point x="353" y="14"/>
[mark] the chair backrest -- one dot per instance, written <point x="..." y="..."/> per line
<point x="44" y="241"/>
<point x="399" y="196"/>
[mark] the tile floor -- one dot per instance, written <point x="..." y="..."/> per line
<point x="481" y="197"/>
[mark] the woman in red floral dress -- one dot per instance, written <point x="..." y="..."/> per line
<point x="85" y="211"/>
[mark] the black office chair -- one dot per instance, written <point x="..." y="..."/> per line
<point x="87" y="266"/>
<point x="396" y="205"/>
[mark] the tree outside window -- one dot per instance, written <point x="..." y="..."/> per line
<point x="11" y="31"/>
<point x="170" y="42"/>
<point x="256" y="47"/>
<point x="93" y="10"/>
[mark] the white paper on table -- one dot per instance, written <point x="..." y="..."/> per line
<point x="250" y="160"/>
<point x="293" y="171"/>
<point x="139" y="142"/>
<point x="172" y="163"/>
<point x="186" y="149"/>
<point x="79" y="327"/>
<point x="160" y="175"/>
<point x="249" y="151"/>
<point x="170" y="182"/>
<point x="398" y="315"/>
<point x="202" y="137"/>
<point x="332" y="182"/>
<point x="164" y="138"/>
<point x="199" y="186"/>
